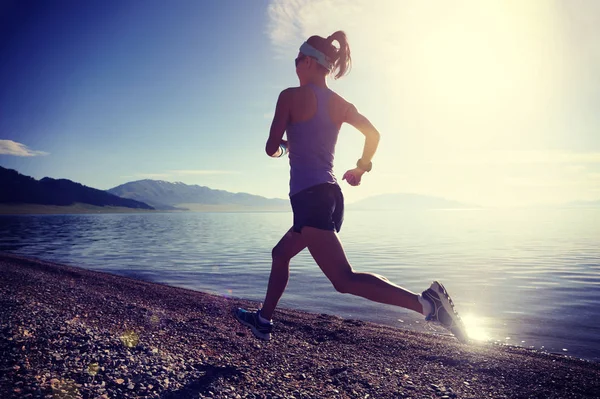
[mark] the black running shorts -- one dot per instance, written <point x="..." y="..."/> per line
<point x="320" y="206"/>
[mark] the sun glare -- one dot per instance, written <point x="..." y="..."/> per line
<point x="475" y="327"/>
<point x="464" y="81"/>
<point x="481" y="68"/>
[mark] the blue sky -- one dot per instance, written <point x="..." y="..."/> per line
<point x="493" y="103"/>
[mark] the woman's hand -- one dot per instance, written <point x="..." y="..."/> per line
<point x="353" y="176"/>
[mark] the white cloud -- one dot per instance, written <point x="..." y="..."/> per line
<point x="9" y="147"/>
<point x="293" y="21"/>
<point x="284" y="26"/>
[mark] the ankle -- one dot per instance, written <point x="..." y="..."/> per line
<point x="426" y="305"/>
<point x="261" y="318"/>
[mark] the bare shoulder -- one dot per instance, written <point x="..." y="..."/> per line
<point x="287" y="93"/>
<point x="291" y="90"/>
<point x="295" y="94"/>
<point x="287" y="98"/>
<point x="339" y="99"/>
<point x="340" y="107"/>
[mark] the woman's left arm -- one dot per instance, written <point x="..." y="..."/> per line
<point x="279" y="124"/>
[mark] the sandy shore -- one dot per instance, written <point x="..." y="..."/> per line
<point x="67" y="332"/>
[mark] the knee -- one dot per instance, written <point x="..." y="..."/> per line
<point x="343" y="283"/>
<point x="279" y="254"/>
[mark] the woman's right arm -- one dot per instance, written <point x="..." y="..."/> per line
<point x="363" y="125"/>
<point x="279" y="124"/>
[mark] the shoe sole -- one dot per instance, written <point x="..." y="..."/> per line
<point x="257" y="334"/>
<point x="457" y="325"/>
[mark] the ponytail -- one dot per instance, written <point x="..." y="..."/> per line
<point x="343" y="60"/>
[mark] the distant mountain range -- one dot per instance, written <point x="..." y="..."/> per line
<point x="399" y="201"/>
<point x="18" y="189"/>
<point x="169" y="196"/>
<point x="166" y="195"/>
<point x="162" y="195"/>
<point x="21" y="189"/>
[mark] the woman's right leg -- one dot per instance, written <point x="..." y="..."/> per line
<point x="288" y="247"/>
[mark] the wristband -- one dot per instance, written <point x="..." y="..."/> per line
<point x="283" y="150"/>
<point x="360" y="165"/>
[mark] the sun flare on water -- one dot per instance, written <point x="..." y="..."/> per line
<point x="475" y="327"/>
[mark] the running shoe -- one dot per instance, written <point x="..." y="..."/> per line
<point x="443" y="311"/>
<point x="250" y="319"/>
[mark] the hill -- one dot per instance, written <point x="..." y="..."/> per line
<point x="166" y="195"/>
<point x="21" y="189"/>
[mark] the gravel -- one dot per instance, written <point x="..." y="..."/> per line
<point x="68" y="332"/>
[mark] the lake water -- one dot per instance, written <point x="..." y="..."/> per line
<point x="521" y="277"/>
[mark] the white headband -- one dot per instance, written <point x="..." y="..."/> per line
<point x="321" y="58"/>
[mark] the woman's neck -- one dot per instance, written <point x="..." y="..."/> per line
<point x="319" y="81"/>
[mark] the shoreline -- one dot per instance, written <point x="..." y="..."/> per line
<point x="95" y="334"/>
<point x="78" y="209"/>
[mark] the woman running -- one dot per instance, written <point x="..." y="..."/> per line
<point x="312" y="115"/>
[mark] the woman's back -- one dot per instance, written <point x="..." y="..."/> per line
<point x="304" y="104"/>
<point x="312" y="132"/>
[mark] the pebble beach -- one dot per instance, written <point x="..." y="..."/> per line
<point x="67" y="332"/>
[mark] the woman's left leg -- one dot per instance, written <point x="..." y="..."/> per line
<point x="326" y="249"/>
<point x="288" y="247"/>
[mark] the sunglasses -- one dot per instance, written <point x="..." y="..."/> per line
<point x="298" y="59"/>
